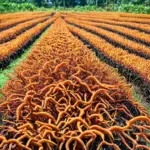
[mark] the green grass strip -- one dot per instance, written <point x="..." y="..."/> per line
<point x="138" y="96"/>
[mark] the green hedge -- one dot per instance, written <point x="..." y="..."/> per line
<point x="6" y="7"/>
<point x="132" y="8"/>
<point x="13" y="7"/>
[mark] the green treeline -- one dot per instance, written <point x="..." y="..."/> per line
<point x="135" y="6"/>
<point x="72" y="3"/>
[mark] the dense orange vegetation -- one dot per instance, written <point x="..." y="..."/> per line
<point x="12" y="22"/>
<point x="11" y="16"/>
<point x="134" y="46"/>
<point x="12" y="46"/>
<point x="140" y="26"/>
<point x="120" y="56"/>
<point x="14" y="31"/>
<point x="112" y="16"/>
<point x="63" y="97"/>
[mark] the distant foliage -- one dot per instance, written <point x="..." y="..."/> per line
<point x="14" y="7"/>
<point x="136" y="6"/>
<point x="78" y="8"/>
<point x="133" y="8"/>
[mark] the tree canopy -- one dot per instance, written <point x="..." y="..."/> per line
<point x="72" y="3"/>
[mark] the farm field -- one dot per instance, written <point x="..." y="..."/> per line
<point x="74" y="81"/>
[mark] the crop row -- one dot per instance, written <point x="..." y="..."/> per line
<point x="13" y="22"/>
<point x="11" y="16"/>
<point x="130" y="45"/>
<point x="8" y="48"/>
<point x="118" y="55"/>
<point x="144" y="16"/>
<point x="63" y="97"/>
<point x="114" y="18"/>
<point x="137" y="26"/>
<point x="133" y="34"/>
<point x="18" y="14"/>
<point x="141" y="27"/>
<point x="93" y="14"/>
<point x="119" y="14"/>
<point x="136" y="20"/>
<point x="11" y="33"/>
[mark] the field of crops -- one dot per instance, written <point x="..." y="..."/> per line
<point x="74" y="89"/>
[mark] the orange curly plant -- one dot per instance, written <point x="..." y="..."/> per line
<point x="59" y="101"/>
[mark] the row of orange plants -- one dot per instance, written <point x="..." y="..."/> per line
<point x="112" y="17"/>
<point x="120" y="14"/>
<point x="94" y="14"/>
<point x="10" y="16"/>
<point x="138" y="26"/>
<point x="144" y="16"/>
<point x="12" y="46"/>
<point x="19" y="14"/>
<point x="11" y="33"/>
<point x="135" y="34"/>
<point x="134" y="46"/>
<point x="135" y="63"/>
<point x="10" y="23"/>
<point x="137" y="20"/>
<point x="63" y="97"/>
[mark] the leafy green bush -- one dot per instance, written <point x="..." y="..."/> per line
<point x="77" y="8"/>
<point x="131" y="8"/>
<point x="14" y="7"/>
<point x="87" y="8"/>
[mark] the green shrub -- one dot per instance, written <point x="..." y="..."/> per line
<point x="131" y="8"/>
<point x="14" y="7"/>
